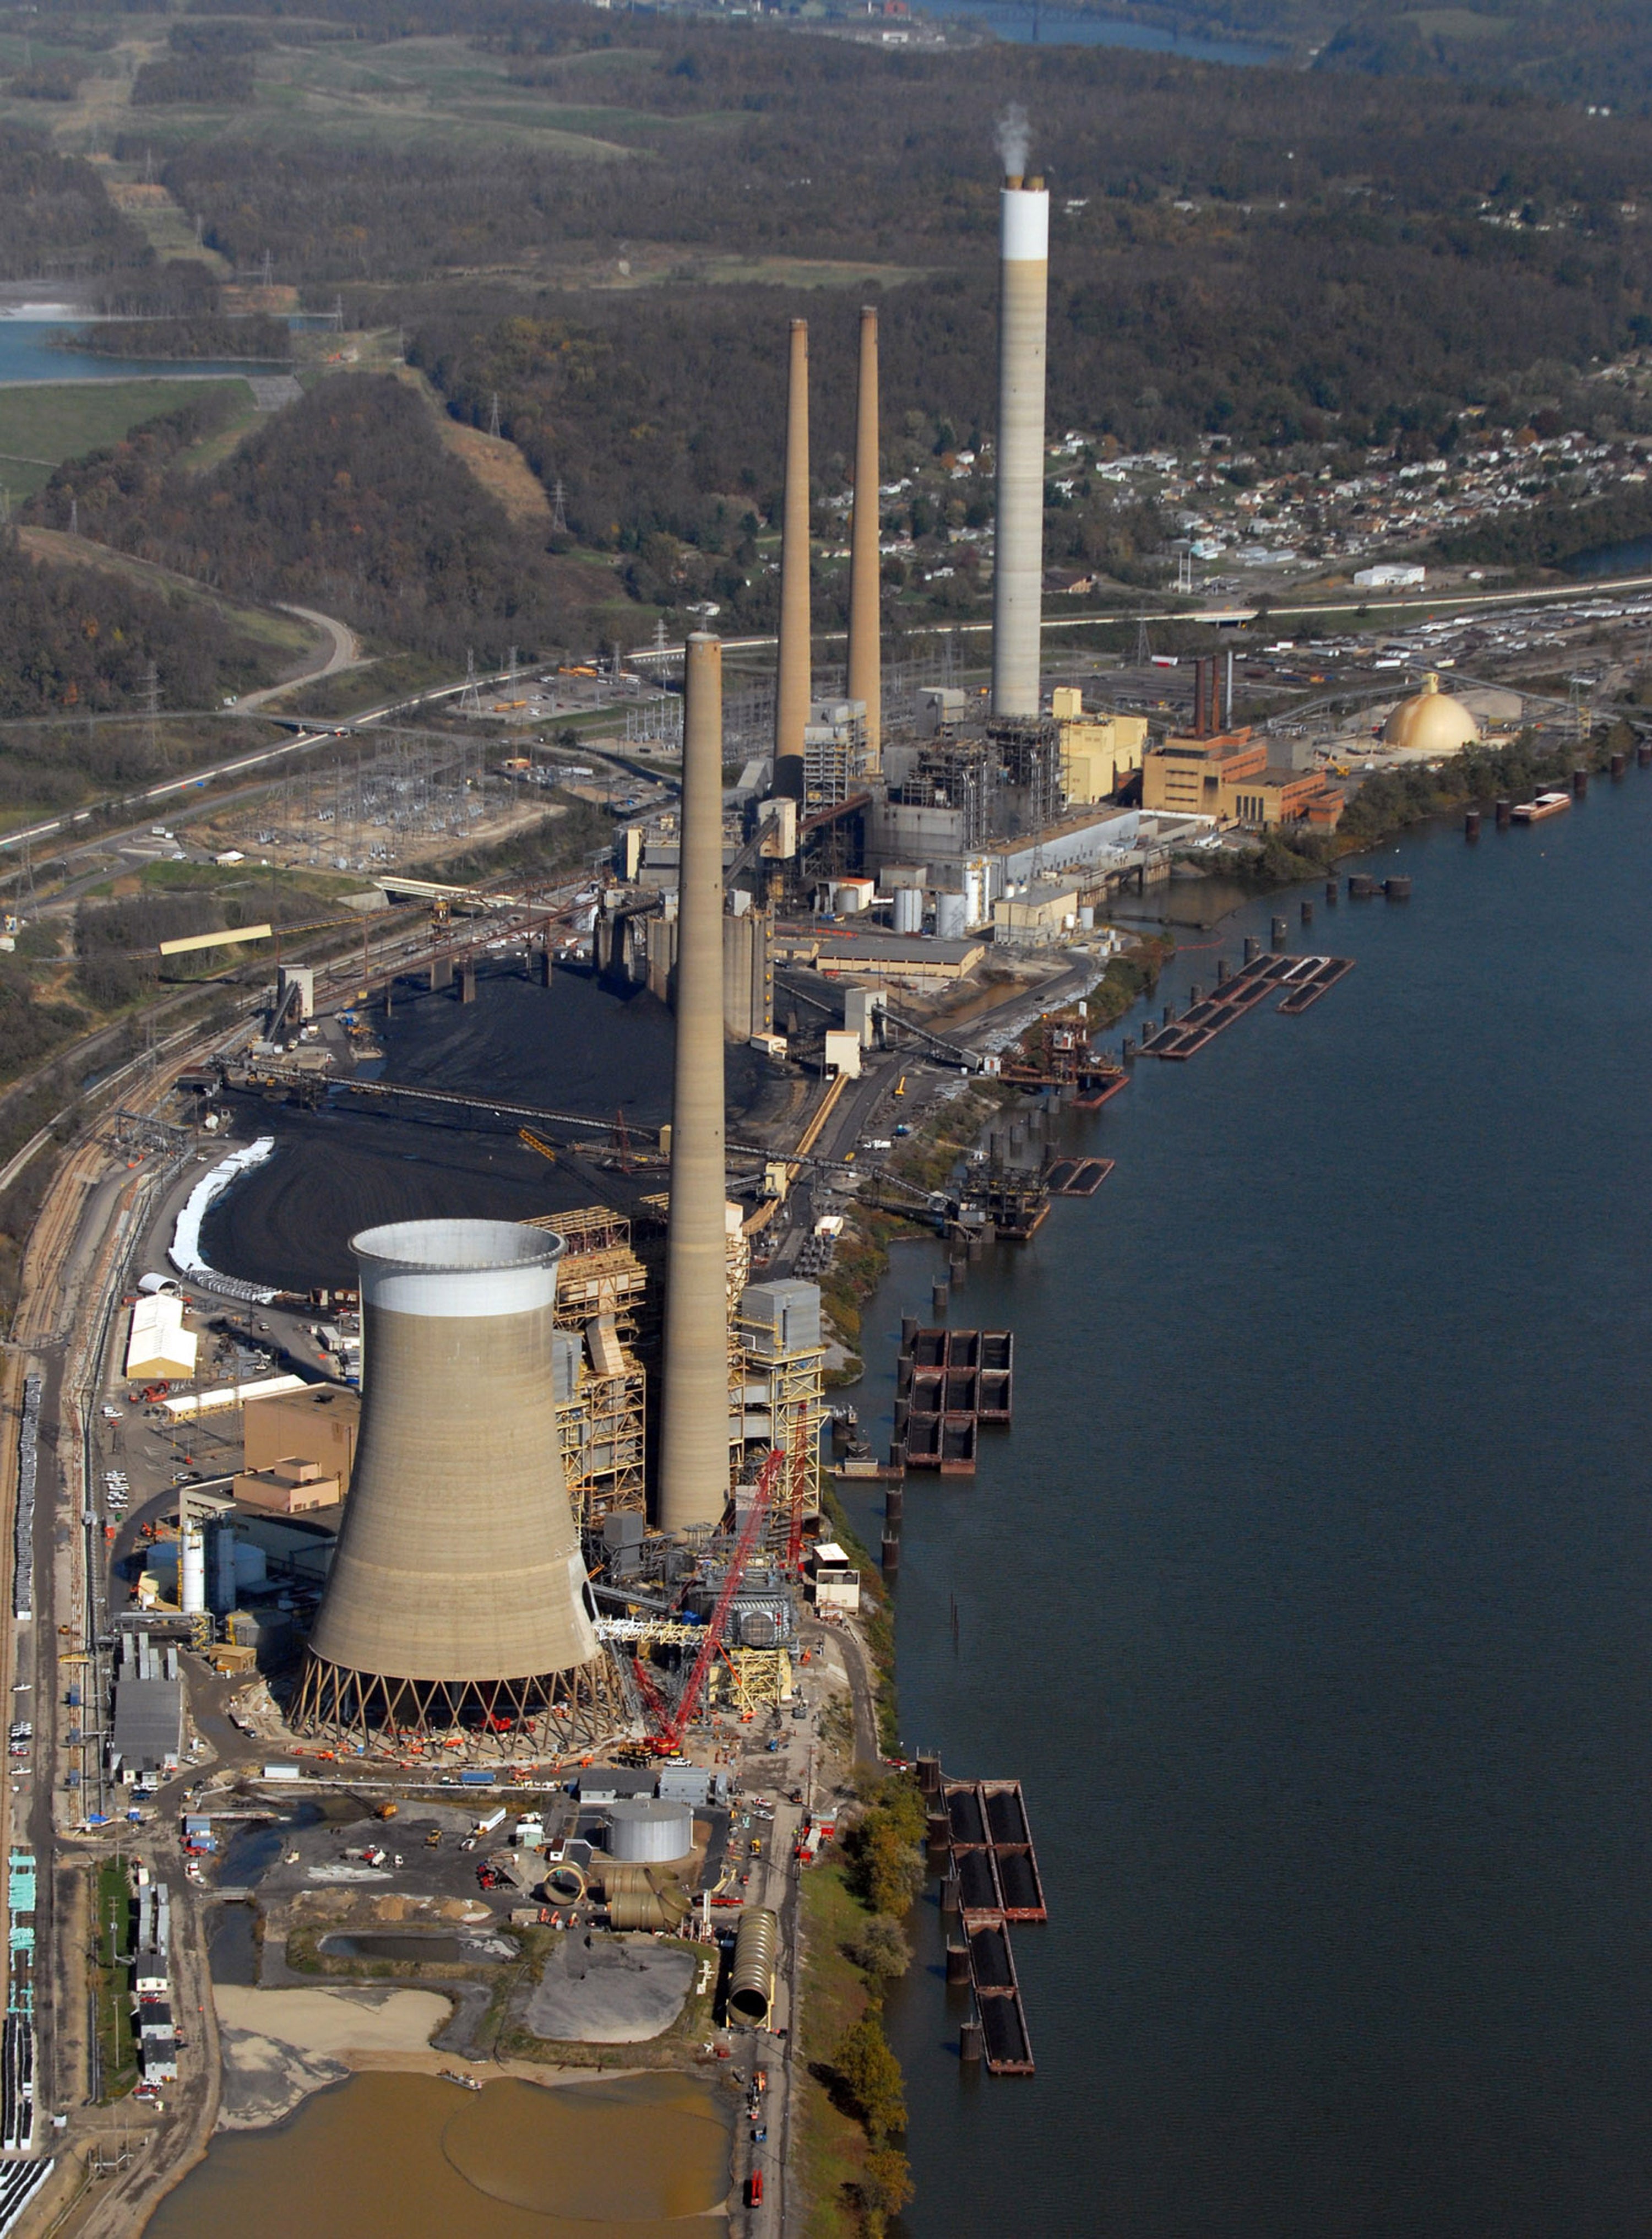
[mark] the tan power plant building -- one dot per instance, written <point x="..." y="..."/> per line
<point x="456" y="1598"/>
<point x="1017" y="561"/>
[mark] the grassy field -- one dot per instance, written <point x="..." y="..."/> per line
<point x="831" y="2145"/>
<point x="112" y="1982"/>
<point x="40" y="428"/>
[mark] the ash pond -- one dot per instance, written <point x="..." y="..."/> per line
<point x="640" y="2156"/>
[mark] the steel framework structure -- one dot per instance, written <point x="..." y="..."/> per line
<point x="580" y="1708"/>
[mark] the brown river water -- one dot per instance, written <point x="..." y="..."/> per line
<point x="632" y="2157"/>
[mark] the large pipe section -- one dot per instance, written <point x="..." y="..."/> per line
<point x="694" y="1445"/>
<point x="791" y="684"/>
<point x="457" y="1562"/>
<point x="866" y="617"/>
<point x="1018" y="560"/>
<point x="751" y="1982"/>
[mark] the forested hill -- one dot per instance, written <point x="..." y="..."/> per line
<point x="347" y="501"/>
<point x="54" y="214"/>
<point x="80" y="639"/>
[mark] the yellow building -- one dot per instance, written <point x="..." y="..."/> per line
<point x="1097" y="752"/>
<point x="1042" y="911"/>
<point x="1188" y="776"/>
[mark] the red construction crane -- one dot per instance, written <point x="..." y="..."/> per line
<point x="674" y="1723"/>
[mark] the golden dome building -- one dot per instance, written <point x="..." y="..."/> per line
<point x="1431" y="722"/>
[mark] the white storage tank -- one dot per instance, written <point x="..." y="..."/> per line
<point x="909" y="909"/>
<point x="192" y="1601"/>
<point x="649" y="1831"/>
<point x="951" y="916"/>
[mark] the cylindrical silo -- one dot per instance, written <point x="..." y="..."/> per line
<point x="457" y="1593"/>
<point x="1018" y="558"/>
<point x="694" y="1439"/>
<point x="791" y="682"/>
<point x="192" y="1567"/>
<point x="751" y="1982"/>
<point x="909" y="909"/>
<point x="866" y="616"/>
<point x="951" y="912"/>
<point x="647" y="1832"/>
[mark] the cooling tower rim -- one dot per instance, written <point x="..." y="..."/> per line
<point x="457" y="1245"/>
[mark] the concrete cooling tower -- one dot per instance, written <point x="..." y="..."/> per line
<point x="456" y="1598"/>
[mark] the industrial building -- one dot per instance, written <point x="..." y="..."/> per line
<point x="456" y="1598"/>
<point x="147" y="1740"/>
<point x="159" y="1348"/>
<point x="315" y="1422"/>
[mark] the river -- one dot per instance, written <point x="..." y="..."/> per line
<point x="1311" y="1597"/>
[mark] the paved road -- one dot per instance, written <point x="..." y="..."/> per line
<point x="343" y="651"/>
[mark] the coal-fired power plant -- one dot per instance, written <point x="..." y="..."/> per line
<point x="1017" y="566"/>
<point x="791" y="682"/>
<point x="866" y="616"/>
<point x="456" y="1600"/>
<point x="693" y="1442"/>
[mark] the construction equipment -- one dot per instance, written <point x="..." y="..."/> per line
<point x="537" y="1143"/>
<point x="673" y="1723"/>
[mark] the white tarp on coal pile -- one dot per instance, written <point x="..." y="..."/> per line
<point x="185" y="1253"/>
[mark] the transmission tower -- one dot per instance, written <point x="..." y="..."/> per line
<point x="152" y="709"/>
<point x="338" y="314"/>
<point x="559" y="510"/>
<point x="5" y="505"/>
<point x="74" y="517"/>
<point x="270" y="268"/>
<point x="493" y="417"/>
<point x="510" y="674"/>
<point x="1184" y="574"/>
<point x="1143" y="646"/>
<point x="470" y="698"/>
<point x="658" y="627"/>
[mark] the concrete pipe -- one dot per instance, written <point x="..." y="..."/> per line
<point x="751" y="1984"/>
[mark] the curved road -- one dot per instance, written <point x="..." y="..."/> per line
<point x="344" y="650"/>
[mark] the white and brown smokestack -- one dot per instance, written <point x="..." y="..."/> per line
<point x="792" y="685"/>
<point x="693" y="1443"/>
<point x="866" y="618"/>
<point x="1017" y="560"/>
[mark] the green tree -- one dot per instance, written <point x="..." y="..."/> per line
<point x="870" y="2076"/>
<point x="885" y="2188"/>
<point x="879" y="1946"/>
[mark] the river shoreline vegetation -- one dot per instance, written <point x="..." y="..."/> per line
<point x="853" y="1903"/>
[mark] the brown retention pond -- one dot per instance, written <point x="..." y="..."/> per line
<point x="633" y="2157"/>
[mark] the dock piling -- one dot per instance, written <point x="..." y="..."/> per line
<point x="1307" y="912"/>
<point x="938" y="1296"/>
<point x="1281" y="931"/>
<point x="1502" y="811"/>
<point x="969" y="2044"/>
<point x="1471" y="824"/>
<point x="1252" y="948"/>
<point x="957" y="1964"/>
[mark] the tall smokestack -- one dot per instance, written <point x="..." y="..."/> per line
<point x="865" y="619"/>
<point x="792" y="685"/>
<point x="1018" y="563"/>
<point x="694" y="1445"/>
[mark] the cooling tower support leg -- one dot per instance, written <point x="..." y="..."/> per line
<point x="543" y="1711"/>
